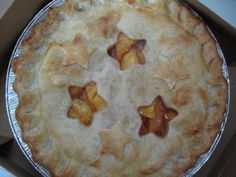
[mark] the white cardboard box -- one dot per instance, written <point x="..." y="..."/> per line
<point x="223" y="8"/>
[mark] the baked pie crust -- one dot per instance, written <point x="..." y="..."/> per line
<point x="167" y="54"/>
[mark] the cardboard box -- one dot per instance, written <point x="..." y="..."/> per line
<point x="224" y="32"/>
<point x="11" y="26"/>
<point x="225" y="9"/>
<point x="207" y="8"/>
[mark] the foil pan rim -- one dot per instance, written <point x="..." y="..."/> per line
<point x="9" y="89"/>
<point x="12" y="99"/>
<point x="206" y="156"/>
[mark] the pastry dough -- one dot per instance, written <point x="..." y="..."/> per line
<point x="70" y="48"/>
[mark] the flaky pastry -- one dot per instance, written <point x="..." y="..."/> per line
<point x="119" y="88"/>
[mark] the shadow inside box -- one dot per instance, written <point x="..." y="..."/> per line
<point x="12" y="158"/>
<point x="225" y="166"/>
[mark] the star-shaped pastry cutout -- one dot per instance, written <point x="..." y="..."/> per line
<point x="76" y="52"/>
<point x="115" y="140"/>
<point x="85" y="102"/>
<point x="127" y="51"/>
<point x="171" y="71"/>
<point x="155" y="118"/>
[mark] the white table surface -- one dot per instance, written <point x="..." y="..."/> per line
<point x="226" y="9"/>
<point x="4" y="6"/>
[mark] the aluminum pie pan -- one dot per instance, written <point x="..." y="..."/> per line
<point x="12" y="99"/>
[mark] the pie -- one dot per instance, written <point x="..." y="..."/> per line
<point x="119" y="88"/>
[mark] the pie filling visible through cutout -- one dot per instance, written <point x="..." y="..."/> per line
<point x="119" y="88"/>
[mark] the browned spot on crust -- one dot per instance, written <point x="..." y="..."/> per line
<point x="76" y="39"/>
<point x="148" y="171"/>
<point x="149" y="12"/>
<point x="105" y="25"/>
<point x="203" y="94"/>
<point x="34" y="36"/>
<point x="95" y="163"/>
<point x="52" y="18"/>
<point x="131" y="1"/>
<point x="182" y="96"/>
<point x="216" y="78"/>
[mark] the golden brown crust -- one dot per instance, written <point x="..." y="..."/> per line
<point x="182" y="96"/>
<point x="201" y="131"/>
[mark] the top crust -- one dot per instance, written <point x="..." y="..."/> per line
<point x="175" y="37"/>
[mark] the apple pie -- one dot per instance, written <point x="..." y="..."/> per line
<point x="121" y="88"/>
